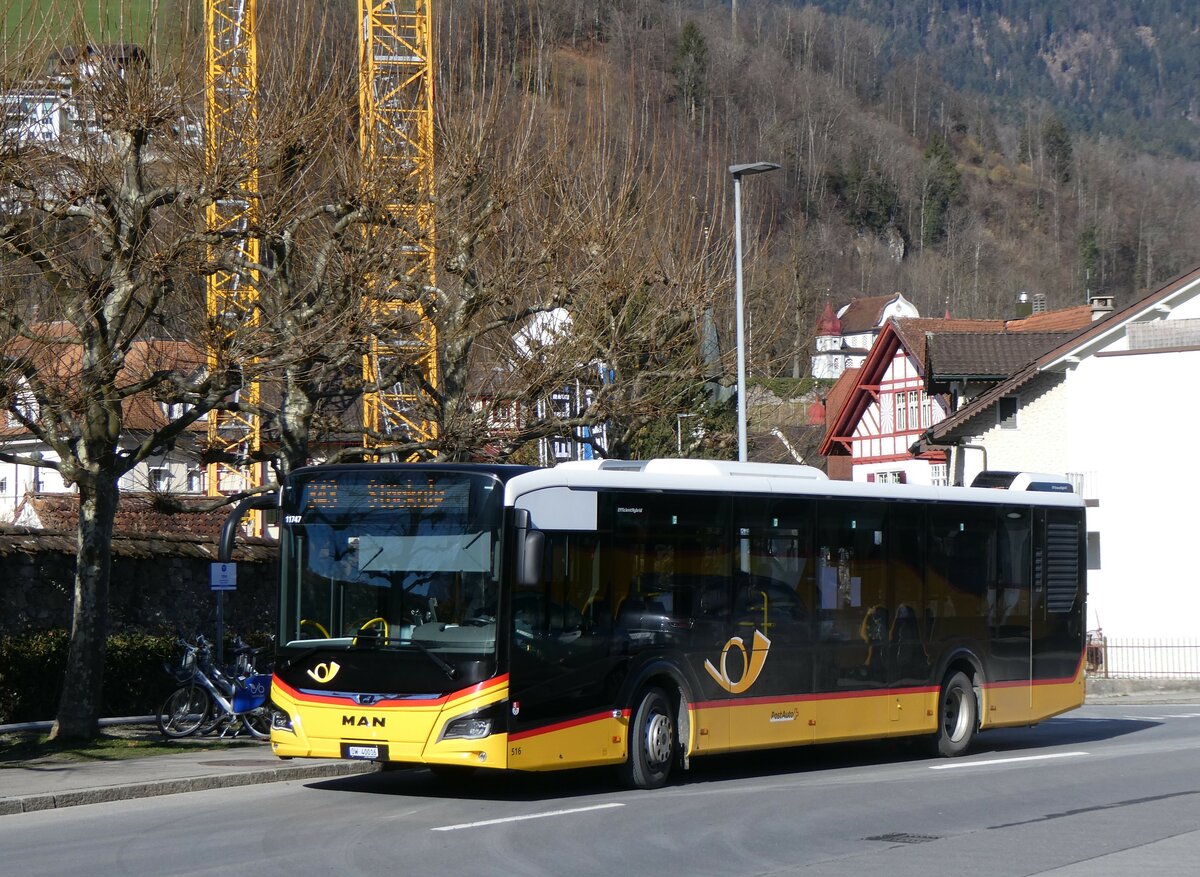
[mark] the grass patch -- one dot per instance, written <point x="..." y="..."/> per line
<point x="113" y="744"/>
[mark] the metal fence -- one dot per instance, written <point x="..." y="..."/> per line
<point x="1125" y="658"/>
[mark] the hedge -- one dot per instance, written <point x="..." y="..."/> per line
<point x="31" y="674"/>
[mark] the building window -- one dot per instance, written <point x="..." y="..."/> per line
<point x="901" y="421"/>
<point x="3" y="485"/>
<point x="160" y="478"/>
<point x="195" y="480"/>
<point x="926" y="412"/>
<point x="914" y="409"/>
<point x="938" y="475"/>
<point x="1007" y="412"/>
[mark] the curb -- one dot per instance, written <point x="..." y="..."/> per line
<point x="103" y="794"/>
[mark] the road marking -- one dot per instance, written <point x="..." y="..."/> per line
<point x="1186" y="716"/>
<point x="1148" y="718"/>
<point x="523" y="818"/>
<point x="1005" y="760"/>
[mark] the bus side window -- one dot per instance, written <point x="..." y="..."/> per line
<point x="565" y="604"/>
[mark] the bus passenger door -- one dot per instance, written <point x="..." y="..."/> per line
<point x="852" y="628"/>
<point x="1008" y="612"/>
<point x="562" y="666"/>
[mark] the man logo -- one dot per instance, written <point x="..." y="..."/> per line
<point x="325" y="672"/>
<point x="753" y="664"/>
<point x="364" y="722"/>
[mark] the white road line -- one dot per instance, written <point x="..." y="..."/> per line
<point x="523" y="818"/>
<point x="1005" y="760"/>
<point x="1148" y="718"/>
<point x="1186" y="716"/>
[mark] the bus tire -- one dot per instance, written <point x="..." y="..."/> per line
<point x="653" y="746"/>
<point x="958" y="716"/>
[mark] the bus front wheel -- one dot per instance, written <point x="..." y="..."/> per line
<point x="958" y="713"/>
<point x="652" y="742"/>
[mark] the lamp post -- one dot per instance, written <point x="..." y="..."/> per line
<point x="739" y="171"/>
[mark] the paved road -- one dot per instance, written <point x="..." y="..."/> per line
<point x="1106" y="790"/>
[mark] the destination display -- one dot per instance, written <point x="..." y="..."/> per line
<point x="365" y="492"/>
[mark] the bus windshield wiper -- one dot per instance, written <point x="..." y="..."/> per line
<point x="366" y="642"/>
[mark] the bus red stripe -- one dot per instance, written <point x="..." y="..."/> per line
<point x="807" y="698"/>
<point x="393" y="704"/>
<point x="570" y="723"/>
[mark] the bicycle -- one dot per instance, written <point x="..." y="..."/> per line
<point x="210" y="700"/>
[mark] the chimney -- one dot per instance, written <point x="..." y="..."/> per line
<point x="1024" y="307"/>
<point x="1102" y="306"/>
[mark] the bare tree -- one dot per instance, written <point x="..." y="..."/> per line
<point x="102" y="231"/>
<point x="584" y="211"/>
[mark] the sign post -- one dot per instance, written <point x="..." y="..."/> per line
<point x="222" y="578"/>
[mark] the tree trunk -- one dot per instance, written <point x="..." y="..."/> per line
<point x="79" y="708"/>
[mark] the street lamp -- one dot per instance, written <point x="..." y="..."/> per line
<point x="739" y="171"/>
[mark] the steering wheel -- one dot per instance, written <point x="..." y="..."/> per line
<point x="318" y="625"/>
<point x="373" y="627"/>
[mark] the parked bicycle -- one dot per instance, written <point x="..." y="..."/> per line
<point x="211" y="700"/>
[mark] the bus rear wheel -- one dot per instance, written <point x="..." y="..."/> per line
<point x="652" y="742"/>
<point x="958" y="716"/>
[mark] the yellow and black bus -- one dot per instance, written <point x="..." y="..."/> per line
<point x="641" y="614"/>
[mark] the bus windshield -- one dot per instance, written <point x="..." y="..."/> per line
<point x="391" y="559"/>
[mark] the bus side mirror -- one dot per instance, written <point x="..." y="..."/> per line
<point x="532" y="548"/>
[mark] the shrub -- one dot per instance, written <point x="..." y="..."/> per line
<point x="32" y="666"/>
<point x="31" y="670"/>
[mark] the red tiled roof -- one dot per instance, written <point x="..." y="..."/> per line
<point x="1063" y="320"/>
<point x="59" y="362"/>
<point x="913" y="331"/>
<point x="829" y="324"/>
<point x="985" y="355"/>
<point x="864" y="314"/>
<point x="136" y="513"/>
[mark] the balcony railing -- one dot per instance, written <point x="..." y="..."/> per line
<point x="1087" y="485"/>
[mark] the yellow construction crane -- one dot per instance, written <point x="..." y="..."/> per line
<point x="231" y="111"/>
<point x="396" y="142"/>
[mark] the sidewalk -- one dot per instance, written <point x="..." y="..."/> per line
<point x="49" y="783"/>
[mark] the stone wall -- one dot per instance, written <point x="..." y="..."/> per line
<point x="159" y="585"/>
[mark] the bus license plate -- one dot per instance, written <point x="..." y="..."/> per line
<point x="364" y="751"/>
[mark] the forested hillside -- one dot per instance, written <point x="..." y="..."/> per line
<point x="898" y="171"/>
<point x="1125" y="70"/>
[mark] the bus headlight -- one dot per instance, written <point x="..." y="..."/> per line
<point x="281" y="721"/>
<point x="474" y="726"/>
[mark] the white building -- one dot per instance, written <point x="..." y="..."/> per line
<point x="1113" y="409"/>
<point x="845" y="338"/>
